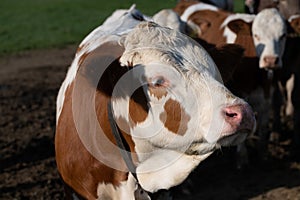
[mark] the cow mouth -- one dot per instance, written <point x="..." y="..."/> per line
<point x="271" y="67"/>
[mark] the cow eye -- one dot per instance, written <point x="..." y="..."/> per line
<point x="158" y="82"/>
<point x="256" y="37"/>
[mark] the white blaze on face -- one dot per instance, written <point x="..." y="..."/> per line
<point x="269" y="32"/>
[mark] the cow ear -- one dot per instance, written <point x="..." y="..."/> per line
<point x="239" y="26"/>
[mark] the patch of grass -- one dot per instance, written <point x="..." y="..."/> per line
<point x="238" y="6"/>
<point x="32" y="24"/>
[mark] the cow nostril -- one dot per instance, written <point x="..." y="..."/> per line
<point x="231" y="114"/>
<point x="271" y="60"/>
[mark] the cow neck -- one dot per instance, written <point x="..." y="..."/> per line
<point x="125" y="151"/>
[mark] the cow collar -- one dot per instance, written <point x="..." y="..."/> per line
<point x="139" y="193"/>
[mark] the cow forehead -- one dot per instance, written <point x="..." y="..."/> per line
<point x="268" y="22"/>
<point x="152" y="42"/>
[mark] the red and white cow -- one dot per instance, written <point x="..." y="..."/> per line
<point x="166" y="97"/>
<point x="285" y="95"/>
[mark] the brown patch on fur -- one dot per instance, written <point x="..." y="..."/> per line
<point x="210" y="22"/>
<point x="76" y="165"/>
<point x="158" y="92"/>
<point x="138" y="107"/>
<point x="244" y="38"/>
<point x="174" y="117"/>
<point x="295" y="24"/>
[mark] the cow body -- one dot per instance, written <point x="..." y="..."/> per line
<point x="167" y="99"/>
<point x="285" y="83"/>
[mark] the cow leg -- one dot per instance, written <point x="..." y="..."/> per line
<point x="277" y="103"/>
<point x="289" y="109"/>
<point x="296" y="119"/>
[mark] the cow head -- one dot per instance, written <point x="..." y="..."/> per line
<point x="269" y="35"/>
<point x="184" y="108"/>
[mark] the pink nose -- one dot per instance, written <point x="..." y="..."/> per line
<point x="240" y="117"/>
<point x="271" y="61"/>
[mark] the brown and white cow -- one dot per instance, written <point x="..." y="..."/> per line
<point x="286" y="77"/>
<point x="166" y="97"/>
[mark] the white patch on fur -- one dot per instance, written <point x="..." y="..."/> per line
<point x="169" y="18"/>
<point x="124" y="191"/>
<point x="196" y="7"/>
<point x="228" y="34"/>
<point x="175" y="167"/>
<point x="122" y="106"/>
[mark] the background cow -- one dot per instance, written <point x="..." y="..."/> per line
<point x="285" y="83"/>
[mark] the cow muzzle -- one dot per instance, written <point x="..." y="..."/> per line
<point x="270" y="62"/>
<point x="239" y="123"/>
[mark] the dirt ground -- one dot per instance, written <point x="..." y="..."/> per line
<point x="29" y="83"/>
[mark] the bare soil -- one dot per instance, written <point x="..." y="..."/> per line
<point x="29" y="83"/>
